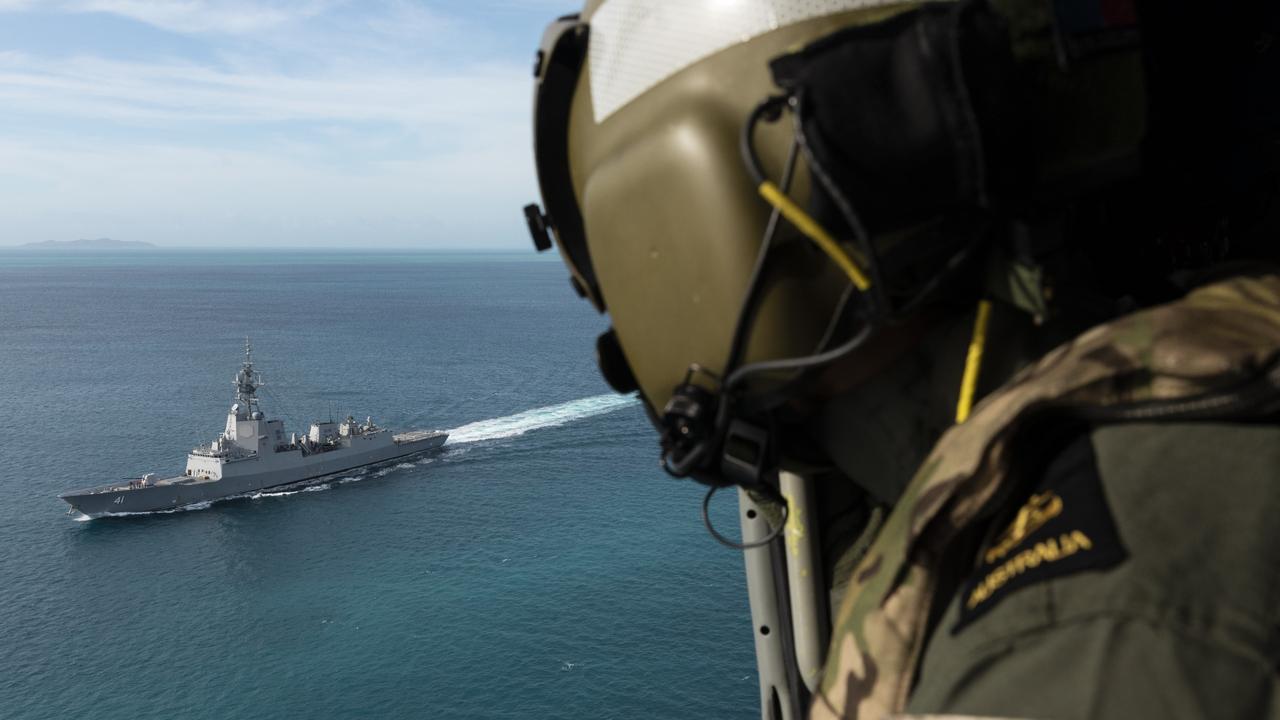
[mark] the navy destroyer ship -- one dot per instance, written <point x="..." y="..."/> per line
<point x="254" y="454"/>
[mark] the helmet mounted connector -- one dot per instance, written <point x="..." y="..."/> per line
<point x="688" y="424"/>
<point x="539" y="227"/>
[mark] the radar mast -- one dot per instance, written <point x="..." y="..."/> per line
<point x="247" y="383"/>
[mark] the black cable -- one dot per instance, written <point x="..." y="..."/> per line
<point x="751" y="298"/>
<point x="771" y="105"/>
<point x="746" y="316"/>
<point x="767" y="398"/>
<point x="803" y="362"/>
<point x="773" y="535"/>
<point x="935" y="283"/>
<point x="686" y="464"/>
<point x="888" y="314"/>
<point x="778" y="394"/>
<point x="851" y="218"/>
<point x="878" y="311"/>
<point x="841" y="305"/>
<point x="750" y="305"/>
<point x="735" y="375"/>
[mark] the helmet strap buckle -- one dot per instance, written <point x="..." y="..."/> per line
<point x="744" y="454"/>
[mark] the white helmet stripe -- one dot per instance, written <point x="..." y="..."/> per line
<point x="636" y="44"/>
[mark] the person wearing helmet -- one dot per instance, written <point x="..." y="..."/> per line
<point x="973" y="301"/>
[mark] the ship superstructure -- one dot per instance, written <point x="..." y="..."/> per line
<point x="254" y="453"/>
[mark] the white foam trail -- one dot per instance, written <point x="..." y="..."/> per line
<point x="202" y="505"/>
<point x="285" y="493"/>
<point x="538" y="418"/>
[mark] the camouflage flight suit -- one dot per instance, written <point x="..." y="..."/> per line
<point x="1128" y="565"/>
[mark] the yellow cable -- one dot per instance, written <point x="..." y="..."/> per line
<point x="973" y="363"/>
<point x="814" y="232"/>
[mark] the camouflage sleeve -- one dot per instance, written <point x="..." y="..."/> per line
<point x="944" y="717"/>
<point x="1183" y="620"/>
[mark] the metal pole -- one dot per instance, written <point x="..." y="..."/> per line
<point x="809" y="614"/>
<point x="777" y="699"/>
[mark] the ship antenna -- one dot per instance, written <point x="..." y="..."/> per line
<point x="246" y="382"/>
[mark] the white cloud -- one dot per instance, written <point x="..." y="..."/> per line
<point x="91" y="87"/>
<point x="186" y="16"/>
<point x="322" y="130"/>
<point x="178" y="195"/>
<point x="340" y="181"/>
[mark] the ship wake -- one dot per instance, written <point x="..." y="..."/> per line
<point x="538" y="418"/>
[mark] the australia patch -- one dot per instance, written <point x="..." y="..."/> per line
<point x="1065" y="527"/>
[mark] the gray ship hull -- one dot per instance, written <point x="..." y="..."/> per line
<point x="183" y="491"/>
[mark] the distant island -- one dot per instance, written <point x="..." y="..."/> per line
<point x="83" y="244"/>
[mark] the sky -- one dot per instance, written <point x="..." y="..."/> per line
<point x="227" y="123"/>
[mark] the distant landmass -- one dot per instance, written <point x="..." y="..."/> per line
<point x="97" y="244"/>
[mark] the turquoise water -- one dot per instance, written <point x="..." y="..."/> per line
<point x="539" y="566"/>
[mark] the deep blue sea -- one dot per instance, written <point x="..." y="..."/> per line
<point x="539" y="566"/>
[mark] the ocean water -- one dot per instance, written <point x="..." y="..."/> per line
<point x="539" y="566"/>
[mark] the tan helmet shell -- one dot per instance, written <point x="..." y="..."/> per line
<point x="673" y="220"/>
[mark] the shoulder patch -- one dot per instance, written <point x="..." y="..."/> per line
<point x="1065" y="527"/>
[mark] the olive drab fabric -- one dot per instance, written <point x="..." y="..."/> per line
<point x="1189" y="358"/>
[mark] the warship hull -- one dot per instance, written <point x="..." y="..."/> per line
<point x="243" y="476"/>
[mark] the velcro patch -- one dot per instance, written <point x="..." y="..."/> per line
<point x="1064" y="527"/>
